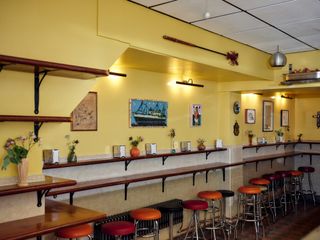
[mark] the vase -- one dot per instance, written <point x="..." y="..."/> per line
<point x="134" y="152"/>
<point x="250" y="141"/>
<point x="173" y="150"/>
<point x="23" y="168"/>
<point x="201" y="147"/>
<point x="72" y="157"/>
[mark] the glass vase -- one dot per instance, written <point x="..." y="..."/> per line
<point x="72" y="157"/>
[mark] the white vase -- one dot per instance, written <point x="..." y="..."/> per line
<point x="23" y="169"/>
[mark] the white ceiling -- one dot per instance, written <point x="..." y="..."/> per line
<point x="294" y="25"/>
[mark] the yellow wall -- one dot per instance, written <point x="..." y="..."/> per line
<point x="306" y="107"/>
<point x="253" y="101"/>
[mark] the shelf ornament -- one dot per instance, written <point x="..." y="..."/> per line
<point x="231" y="56"/>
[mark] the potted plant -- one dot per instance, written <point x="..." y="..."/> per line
<point x="201" y="145"/>
<point x="17" y="153"/>
<point x="134" y="151"/>
<point x="172" y="134"/>
<point x="299" y="137"/>
<point x="72" y="157"/>
<point x="250" y="136"/>
<point x="279" y="135"/>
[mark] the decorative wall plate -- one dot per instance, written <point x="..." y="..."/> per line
<point x="236" y="129"/>
<point x="236" y="107"/>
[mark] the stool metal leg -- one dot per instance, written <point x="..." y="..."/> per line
<point x="311" y="189"/>
<point x="171" y="226"/>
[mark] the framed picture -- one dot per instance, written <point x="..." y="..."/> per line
<point x="267" y="116"/>
<point x="148" y="113"/>
<point x="84" y="116"/>
<point x="284" y="120"/>
<point x="196" y="115"/>
<point x="250" y="116"/>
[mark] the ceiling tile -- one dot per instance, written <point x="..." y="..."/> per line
<point x="313" y="40"/>
<point x="233" y="23"/>
<point x="289" y="12"/>
<point x="194" y="10"/>
<point x="149" y="3"/>
<point x="252" y="4"/>
<point x="305" y="28"/>
<point x="286" y="45"/>
<point x="267" y="34"/>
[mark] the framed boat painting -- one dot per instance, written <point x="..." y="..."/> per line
<point x="284" y="120"/>
<point x="148" y="113"/>
<point x="196" y="115"/>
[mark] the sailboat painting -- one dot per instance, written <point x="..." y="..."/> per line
<point x="148" y="113"/>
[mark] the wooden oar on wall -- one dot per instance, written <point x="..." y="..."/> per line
<point x="231" y="56"/>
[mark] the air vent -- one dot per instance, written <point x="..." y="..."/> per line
<point x="297" y="78"/>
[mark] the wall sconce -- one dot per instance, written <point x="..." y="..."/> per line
<point x="286" y="97"/>
<point x="189" y="82"/>
<point x="117" y="74"/>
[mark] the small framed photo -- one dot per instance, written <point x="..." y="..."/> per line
<point x="250" y="116"/>
<point x="84" y="116"/>
<point x="284" y="120"/>
<point x="196" y="115"/>
<point x="267" y="116"/>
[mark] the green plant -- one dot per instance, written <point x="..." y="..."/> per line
<point x="172" y="133"/>
<point x="135" y="142"/>
<point x="201" y="141"/>
<point x="250" y="133"/>
<point x="17" y="149"/>
<point x="71" y="144"/>
<point x="279" y="132"/>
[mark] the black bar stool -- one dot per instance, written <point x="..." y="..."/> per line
<point x="310" y="191"/>
<point x="171" y="208"/>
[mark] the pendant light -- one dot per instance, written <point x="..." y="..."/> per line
<point x="278" y="59"/>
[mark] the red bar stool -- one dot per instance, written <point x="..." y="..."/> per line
<point x="265" y="199"/>
<point x="249" y="207"/>
<point x="118" y="229"/>
<point x="146" y="214"/>
<point x="217" y="223"/>
<point x="286" y="192"/>
<point x="195" y="206"/>
<point x="274" y="189"/>
<point x="84" y="230"/>
<point x="308" y="170"/>
<point x="296" y="191"/>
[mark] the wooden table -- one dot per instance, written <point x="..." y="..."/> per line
<point x="57" y="215"/>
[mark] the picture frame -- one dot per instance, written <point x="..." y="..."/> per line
<point x="84" y="116"/>
<point x="250" y="116"/>
<point x="267" y="116"/>
<point x="284" y="119"/>
<point x="196" y="115"/>
<point x="148" y="113"/>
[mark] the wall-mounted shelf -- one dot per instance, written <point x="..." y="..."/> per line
<point x="37" y="120"/>
<point x="128" y="160"/>
<point x="285" y="144"/>
<point x="41" y="69"/>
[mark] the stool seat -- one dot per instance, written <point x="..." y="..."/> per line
<point x="306" y="169"/>
<point x="195" y="204"/>
<point x="250" y="189"/>
<point x="296" y="173"/>
<point x="171" y="207"/>
<point x="226" y="193"/>
<point x="272" y="177"/>
<point x="145" y="214"/>
<point x="284" y="174"/>
<point x="118" y="228"/>
<point x="259" y="181"/>
<point x="210" y="195"/>
<point x="75" y="232"/>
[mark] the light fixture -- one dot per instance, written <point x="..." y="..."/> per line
<point x="117" y="74"/>
<point x="278" y="59"/>
<point x="189" y="82"/>
<point x="206" y="14"/>
<point x="286" y="97"/>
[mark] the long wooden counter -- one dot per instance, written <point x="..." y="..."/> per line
<point x="57" y="215"/>
<point x="164" y="174"/>
<point x="41" y="187"/>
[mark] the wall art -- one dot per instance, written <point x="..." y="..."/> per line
<point x="148" y="113"/>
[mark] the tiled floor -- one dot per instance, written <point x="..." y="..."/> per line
<point x="294" y="226"/>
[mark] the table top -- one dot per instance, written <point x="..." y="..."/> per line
<point x="57" y="215"/>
